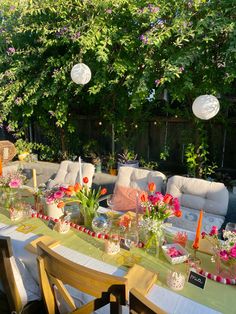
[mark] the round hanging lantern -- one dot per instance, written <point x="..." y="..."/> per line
<point x="80" y="74"/>
<point x="205" y="107"/>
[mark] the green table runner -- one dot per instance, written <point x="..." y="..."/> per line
<point x="215" y="295"/>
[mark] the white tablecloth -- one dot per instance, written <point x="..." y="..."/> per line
<point x="169" y="301"/>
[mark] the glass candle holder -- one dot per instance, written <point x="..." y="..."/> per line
<point x="112" y="245"/>
<point x="175" y="280"/>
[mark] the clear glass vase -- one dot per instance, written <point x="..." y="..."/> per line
<point x="226" y="269"/>
<point x="89" y="212"/>
<point x="154" y="243"/>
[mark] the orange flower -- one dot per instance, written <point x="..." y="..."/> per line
<point x="144" y="197"/>
<point x="77" y="187"/>
<point x="178" y="213"/>
<point x="85" y="180"/>
<point x="167" y="198"/>
<point x="61" y="204"/>
<point x="69" y="190"/>
<point x="151" y="187"/>
<point x="103" y="191"/>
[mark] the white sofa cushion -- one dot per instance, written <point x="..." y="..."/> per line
<point x="195" y="194"/>
<point x="137" y="178"/>
<point x="189" y="220"/>
<point x="69" y="173"/>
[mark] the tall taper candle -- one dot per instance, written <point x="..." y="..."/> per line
<point x="34" y="178"/>
<point x="198" y="231"/>
<point x="80" y="172"/>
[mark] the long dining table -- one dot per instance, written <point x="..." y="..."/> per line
<point x="89" y="251"/>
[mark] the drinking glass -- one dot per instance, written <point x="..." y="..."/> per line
<point x="231" y="226"/>
<point x="131" y="238"/>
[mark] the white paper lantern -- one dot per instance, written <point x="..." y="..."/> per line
<point x="206" y="107"/>
<point x="81" y="74"/>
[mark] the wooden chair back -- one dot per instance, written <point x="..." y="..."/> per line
<point x="7" y="276"/>
<point x="56" y="270"/>
<point x="139" y="304"/>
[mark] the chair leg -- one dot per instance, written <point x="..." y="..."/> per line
<point x="115" y="308"/>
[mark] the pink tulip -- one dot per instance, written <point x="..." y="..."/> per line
<point x="224" y="255"/>
<point x="15" y="183"/>
<point x="214" y="231"/>
<point x="232" y="251"/>
<point x="58" y="194"/>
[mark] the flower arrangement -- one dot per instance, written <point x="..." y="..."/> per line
<point x="86" y="197"/>
<point x="13" y="179"/>
<point x="226" y="250"/>
<point x="157" y="208"/>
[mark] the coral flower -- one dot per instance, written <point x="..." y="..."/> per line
<point x="85" y="180"/>
<point x="151" y="187"/>
<point x="103" y="191"/>
<point x="144" y="197"/>
<point x="61" y="204"/>
<point x="167" y="198"/>
<point x="178" y="213"/>
<point x="77" y="187"/>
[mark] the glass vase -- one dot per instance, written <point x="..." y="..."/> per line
<point x="89" y="212"/>
<point x="226" y="269"/>
<point x="154" y="243"/>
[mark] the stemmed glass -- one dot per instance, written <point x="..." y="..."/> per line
<point x="110" y="201"/>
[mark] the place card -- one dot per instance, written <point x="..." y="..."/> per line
<point x="26" y="228"/>
<point x="197" y="279"/>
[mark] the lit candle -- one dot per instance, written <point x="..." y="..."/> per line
<point x="80" y="172"/>
<point x="34" y="178"/>
<point x="198" y="231"/>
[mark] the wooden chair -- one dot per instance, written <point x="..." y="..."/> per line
<point x="15" y="294"/>
<point x="56" y="271"/>
<point x="138" y="304"/>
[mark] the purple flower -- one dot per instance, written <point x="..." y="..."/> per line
<point x="144" y="39"/>
<point x="181" y="69"/>
<point x="11" y="50"/>
<point x="12" y="8"/>
<point x="15" y="183"/>
<point x="109" y="11"/>
<point x="157" y="82"/>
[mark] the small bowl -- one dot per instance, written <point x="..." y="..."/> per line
<point x="177" y="259"/>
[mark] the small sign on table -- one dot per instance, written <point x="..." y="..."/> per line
<point x="197" y="279"/>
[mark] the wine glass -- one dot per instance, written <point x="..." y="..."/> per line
<point x="131" y="238"/>
<point x="110" y="201"/>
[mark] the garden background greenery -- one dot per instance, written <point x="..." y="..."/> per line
<point x="148" y="59"/>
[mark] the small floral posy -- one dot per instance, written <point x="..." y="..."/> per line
<point x="13" y="179"/>
<point x="225" y="249"/>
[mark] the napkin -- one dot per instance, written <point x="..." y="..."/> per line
<point x="48" y="241"/>
<point x="140" y="278"/>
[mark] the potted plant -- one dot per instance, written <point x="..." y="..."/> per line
<point x="127" y="159"/>
<point x="96" y="161"/>
<point x="23" y="148"/>
<point x="111" y="164"/>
